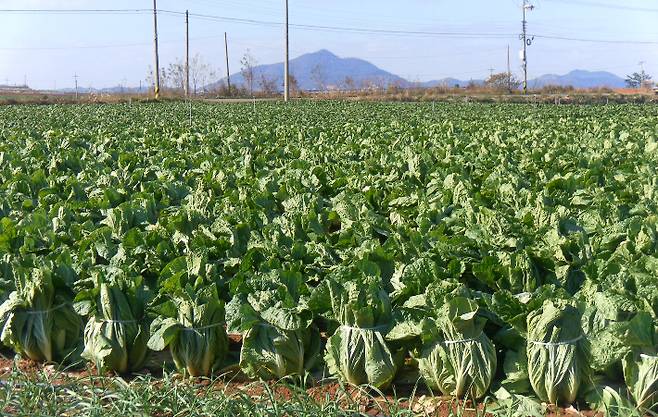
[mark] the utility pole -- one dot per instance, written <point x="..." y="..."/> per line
<point x="641" y="64"/>
<point x="491" y="71"/>
<point x="509" y="72"/>
<point x="187" y="54"/>
<point x="75" y="77"/>
<point x="155" y="44"/>
<point x="228" y="72"/>
<point x="286" y="75"/>
<point x="527" y="41"/>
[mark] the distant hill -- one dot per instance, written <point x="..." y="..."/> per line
<point x="579" y="79"/>
<point x="333" y="71"/>
<point x="106" y="90"/>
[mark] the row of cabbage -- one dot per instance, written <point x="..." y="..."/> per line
<point x="543" y="338"/>
<point x="489" y="253"/>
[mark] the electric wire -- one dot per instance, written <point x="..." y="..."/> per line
<point x="339" y="29"/>
<point x="606" y="5"/>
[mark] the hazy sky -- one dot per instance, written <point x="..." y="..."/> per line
<point x="107" y="50"/>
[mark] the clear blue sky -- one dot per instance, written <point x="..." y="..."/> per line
<point x="106" y="50"/>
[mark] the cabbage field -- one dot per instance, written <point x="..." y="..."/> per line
<point x="481" y="251"/>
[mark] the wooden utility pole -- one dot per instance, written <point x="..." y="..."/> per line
<point x="286" y="75"/>
<point x="155" y="44"/>
<point x="187" y="53"/>
<point x="228" y="72"/>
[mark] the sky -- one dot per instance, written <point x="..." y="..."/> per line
<point x="116" y="49"/>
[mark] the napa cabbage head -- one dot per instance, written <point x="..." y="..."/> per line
<point x="558" y="352"/>
<point x="357" y="352"/>
<point x="457" y="357"/>
<point x="279" y="338"/>
<point x="38" y="320"/>
<point x="191" y="323"/>
<point x="117" y="332"/>
<point x="641" y="364"/>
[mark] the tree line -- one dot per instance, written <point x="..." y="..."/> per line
<point x="203" y="80"/>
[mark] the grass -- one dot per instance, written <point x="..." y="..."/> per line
<point x="46" y="391"/>
<point x="546" y="95"/>
<point x="53" y="393"/>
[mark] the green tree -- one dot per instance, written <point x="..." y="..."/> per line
<point x="638" y="80"/>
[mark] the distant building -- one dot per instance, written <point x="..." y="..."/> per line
<point x="4" y="88"/>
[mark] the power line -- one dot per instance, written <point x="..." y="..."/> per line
<point x="56" y="48"/>
<point x="350" y="29"/>
<point x="256" y="22"/>
<point x="606" y="6"/>
<point x="612" y="41"/>
<point x="344" y="29"/>
<point x="76" y="11"/>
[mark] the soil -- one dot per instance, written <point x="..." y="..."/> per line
<point x="234" y="382"/>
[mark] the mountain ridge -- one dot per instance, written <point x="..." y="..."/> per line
<point x="325" y="70"/>
<point x="333" y="73"/>
<point x="320" y="70"/>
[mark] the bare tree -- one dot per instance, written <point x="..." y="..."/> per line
<point x="200" y="73"/>
<point x="376" y="83"/>
<point x="503" y="81"/>
<point x="164" y="77"/>
<point x="221" y="89"/>
<point x="349" y="84"/>
<point x="267" y="85"/>
<point x="319" y="77"/>
<point x="173" y="77"/>
<point x="395" y="87"/>
<point x="294" y="85"/>
<point x="365" y="84"/>
<point x="176" y="76"/>
<point x="248" y="63"/>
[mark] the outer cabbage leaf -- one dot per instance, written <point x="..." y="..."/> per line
<point x="116" y="335"/>
<point x="558" y="352"/>
<point x="278" y="336"/>
<point x="458" y="359"/>
<point x="39" y="321"/>
<point x="357" y="352"/>
<point x="191" y="324"/>
<point x="641" y="365"/>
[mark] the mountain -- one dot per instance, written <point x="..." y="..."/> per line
<point x="107" y="90"/>
<point x="324" y="67"/>
<point x="580" y="79"/>
<point x="321" y="67"/>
